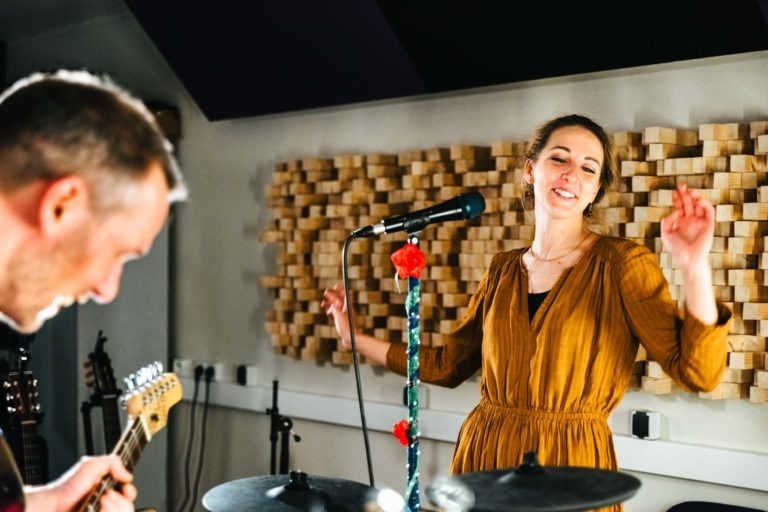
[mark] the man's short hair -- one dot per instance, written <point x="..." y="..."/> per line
<point x="72" y="122"/>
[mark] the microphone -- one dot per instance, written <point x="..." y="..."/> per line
<point x="461" y="207"/>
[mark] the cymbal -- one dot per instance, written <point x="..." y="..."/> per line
<point x="533" y="488"/>
<point x="297" y="491"/>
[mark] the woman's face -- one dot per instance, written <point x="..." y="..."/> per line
<point x="566" y="174"/>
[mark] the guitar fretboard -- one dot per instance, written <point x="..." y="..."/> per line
<point x="33" y="466"/>
<point x="129" y="449"/>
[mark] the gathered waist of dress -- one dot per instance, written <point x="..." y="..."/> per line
<point x="527" y="412"/>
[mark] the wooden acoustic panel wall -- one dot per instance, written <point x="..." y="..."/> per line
<point x="318" y="202"/>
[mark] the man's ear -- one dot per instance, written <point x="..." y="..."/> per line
<point x="64" y="204"/>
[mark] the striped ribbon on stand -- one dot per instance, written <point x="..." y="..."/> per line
<point x="409" y="261"/>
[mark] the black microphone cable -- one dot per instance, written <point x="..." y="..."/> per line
<point x="355" y="358"/>
<point x="198" y="375"/>
<point x="208" y="377"/>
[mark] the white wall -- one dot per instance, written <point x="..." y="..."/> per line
<point x="228" y="164"/>
<point x="221" y="312"/>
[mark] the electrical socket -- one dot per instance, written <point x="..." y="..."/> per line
<point x="184" y="367"/>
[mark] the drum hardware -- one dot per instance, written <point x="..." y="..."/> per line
<point x="532" y="488"/>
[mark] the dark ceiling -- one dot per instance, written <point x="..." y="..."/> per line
<point x="242" y="58"/>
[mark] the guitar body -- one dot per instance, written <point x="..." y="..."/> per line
<point x="11" y="487"/>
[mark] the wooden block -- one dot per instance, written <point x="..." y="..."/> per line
<point x="692" y="165"/>
<point x="659" y="151"/>
<point x="408" y="157"/>
<point x="753" y="179"/>
<point x="470" y="152"/>
<point x="758" y="395"/>
<point x="648" y="183"/>
<point x="654" y="370"/>
<point x="746" y="343"/>
<point x="724" y="131"/>
<point x="750" y="229"/>
<point x="650" y="213"/>
<point x="381" y="159"/>
<point x="656" y="386"/>
<point x="508" y="148"/>
<point x="637" y="168"/>
<point x="462" y="165"/>
<point x="712" y="148"/>
<point x="625" y="199"/>
<point x="755" y="310"/>
<point x="762" y="194"/>
<point x="508" y="162"/>
<point x="750" y="293"/>
<point x="746" y="360"/>
<point x="667" y="135"/>
<point x="757" y="128"/>
<point x="761" y="146"/>
<point x="744" y="277"/>
<point x="737" y="375"/>
<point x="727" y="391"/>
<point x="628" y="138"/>
<point x="642" y="229"/>
<point x="747" y="163"/>
<point x="761" y="378"/>
<point x="755" y="211"/>
<point x="438" y="154"/>
<point x="630" y="152"/>
<point x="728" y="212"/>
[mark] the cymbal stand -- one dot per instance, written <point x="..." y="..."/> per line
<point x="283" y="426"/>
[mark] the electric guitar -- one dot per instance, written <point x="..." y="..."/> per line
<point x="150" y="395"/>
<point x="24" y="410"/>
<point x="100" y="376"/>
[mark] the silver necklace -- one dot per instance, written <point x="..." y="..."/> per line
<point x="569" y="251"/>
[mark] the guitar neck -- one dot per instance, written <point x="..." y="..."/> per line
<point x="33" y="467"/>
<point x="129" y="449"/>
<point x="111" y="415"/>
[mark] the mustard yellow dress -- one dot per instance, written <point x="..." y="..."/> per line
<point x="549" y="384"/>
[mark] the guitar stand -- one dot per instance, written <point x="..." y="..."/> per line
<point x="85" y="410"/>
<point x="283" y="426"/>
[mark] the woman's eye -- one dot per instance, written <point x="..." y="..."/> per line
<point x="558" y="159"/>
<point x="589" y="170"/>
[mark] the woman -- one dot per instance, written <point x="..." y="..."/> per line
<point x="555" y="327"/>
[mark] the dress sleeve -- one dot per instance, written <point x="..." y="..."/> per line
<point x="692" y="353"/>
<point x="460" y="357"/>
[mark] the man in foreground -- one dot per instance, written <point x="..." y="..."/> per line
<point x="86" y="180"/>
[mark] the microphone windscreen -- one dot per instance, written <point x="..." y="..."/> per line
<point x="473" y="204"/>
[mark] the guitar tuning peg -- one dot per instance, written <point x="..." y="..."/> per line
<point x="6" y="384"/>
<point x="129" y="382"/>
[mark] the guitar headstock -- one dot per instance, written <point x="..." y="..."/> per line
<point x="151" y="394"/>
<point x="99" y="374"/>
<point x="21" y="395"/>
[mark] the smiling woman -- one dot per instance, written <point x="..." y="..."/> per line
<point x="555" y="327"/>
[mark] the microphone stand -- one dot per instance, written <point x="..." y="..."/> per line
<point x="355" y="362"/>
<point x="412" y="387"/>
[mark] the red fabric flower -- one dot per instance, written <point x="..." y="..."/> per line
<point x="400" y="431"/>
<point x="408" y="261"/>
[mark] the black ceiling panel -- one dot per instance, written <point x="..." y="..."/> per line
<point x="242" y="58"/>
